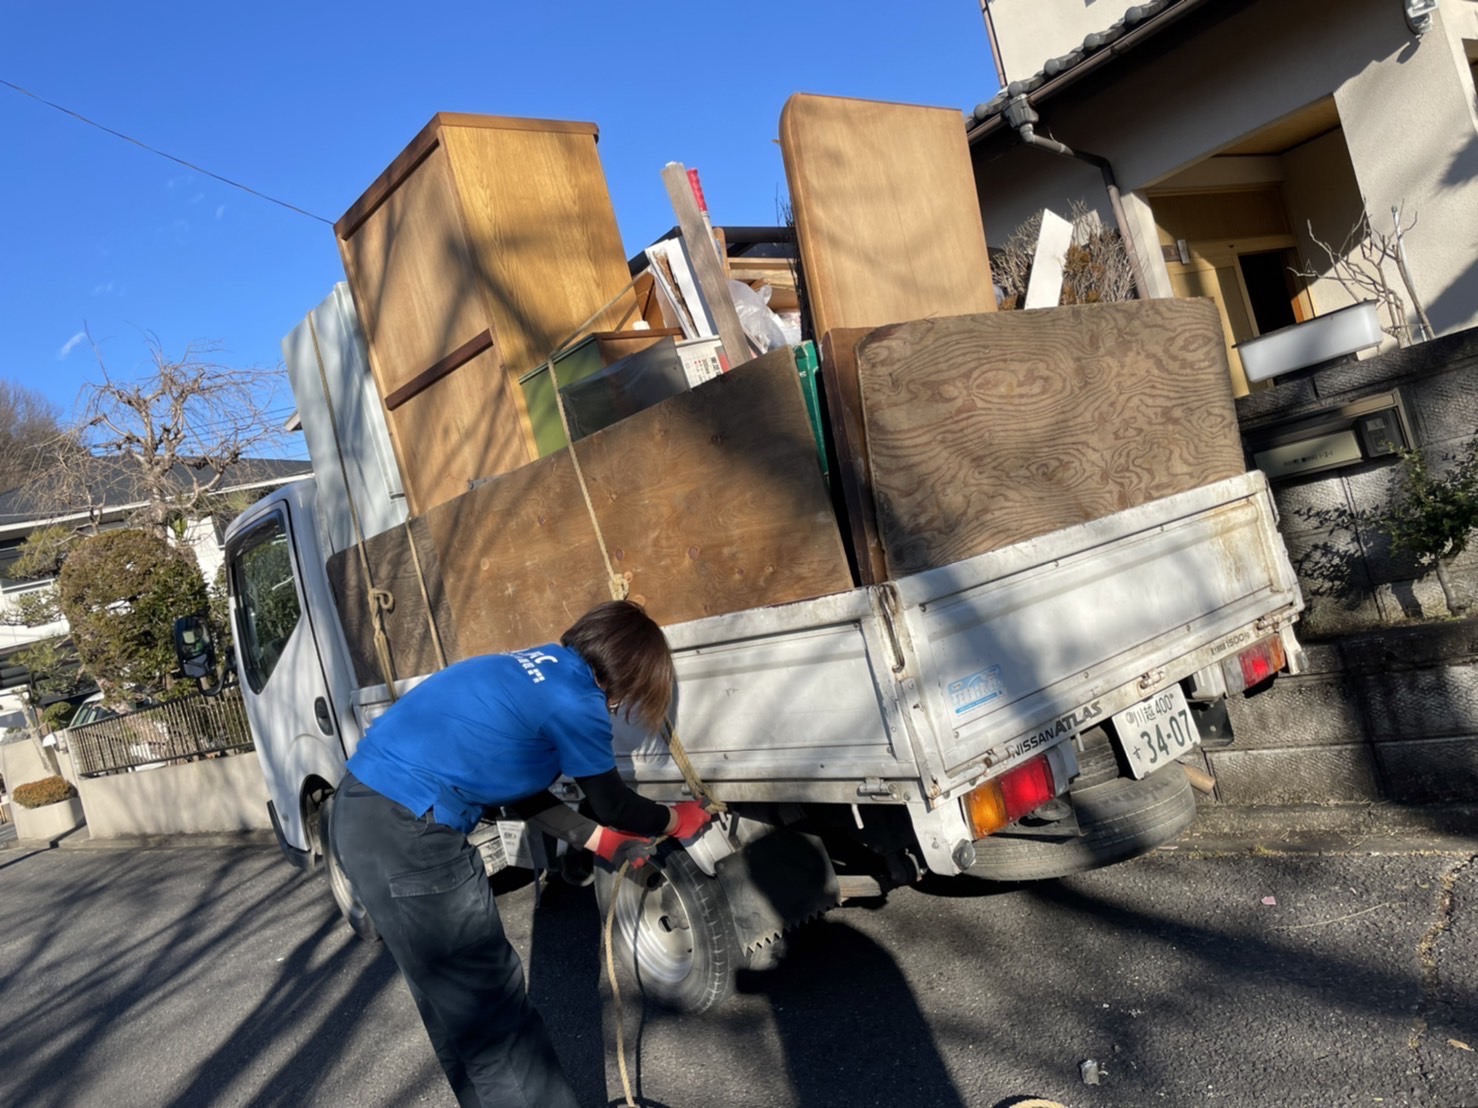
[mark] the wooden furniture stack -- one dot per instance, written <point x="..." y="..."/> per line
<point x="482" y="247"/>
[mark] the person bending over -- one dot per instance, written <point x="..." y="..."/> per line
<point x="490" y="731"/>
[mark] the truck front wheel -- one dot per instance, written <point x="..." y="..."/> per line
<point x="673" y="932"/>
<point x="1119" y="819"/>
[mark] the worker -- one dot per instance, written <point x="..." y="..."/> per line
<point x="498" y="730"/>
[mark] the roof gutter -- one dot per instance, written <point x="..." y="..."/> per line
<point x="1023" y="117"/>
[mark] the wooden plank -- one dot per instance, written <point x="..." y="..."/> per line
<point x="412" y="649"/>
<point x="710" y="502"/>
<point x="886" y="212"/>
<point x="707" y="267"/>
<point x="849" y="439"/>
<point x="987" y="430"/>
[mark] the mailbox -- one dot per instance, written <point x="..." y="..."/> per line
<point x="1362" y="430"/>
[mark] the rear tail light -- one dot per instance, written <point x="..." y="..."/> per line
<point x="1023" y="790"/>
<point x="1254" y="665"/>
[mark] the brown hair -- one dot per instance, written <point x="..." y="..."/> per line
<point x="629" y="655"/>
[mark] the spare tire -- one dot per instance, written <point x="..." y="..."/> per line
<point x="1119" y="820"/>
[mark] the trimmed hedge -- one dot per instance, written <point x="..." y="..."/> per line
<point x="38" y="794"/>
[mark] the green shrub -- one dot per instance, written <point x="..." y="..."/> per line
<point x="121" y="591"/>
<point x="38" y="794"/>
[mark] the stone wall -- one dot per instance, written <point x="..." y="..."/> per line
<point x="1352" y="578"/>
<point x="1388" y="709"/>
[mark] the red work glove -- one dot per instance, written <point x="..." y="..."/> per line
<point x="692" y="818"/>
<point x="616" y="848"/>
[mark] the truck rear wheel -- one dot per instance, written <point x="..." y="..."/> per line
<point x="1120" y="819"/>
<point x="355" y="914"/>
<point x="673" y="932"/>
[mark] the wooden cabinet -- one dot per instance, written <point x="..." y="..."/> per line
<point x="483" y="246"/>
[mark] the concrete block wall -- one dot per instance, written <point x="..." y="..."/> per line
<point x="1388" y="709"/>
<point x="1352" y="578"/>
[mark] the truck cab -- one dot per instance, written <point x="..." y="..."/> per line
<point x="291" y="663"/>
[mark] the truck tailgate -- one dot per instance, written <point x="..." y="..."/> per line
<point x="1025" y="645"/>
<point x="944" y="676"/>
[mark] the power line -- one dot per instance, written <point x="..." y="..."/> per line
<point x="162" y="154"/>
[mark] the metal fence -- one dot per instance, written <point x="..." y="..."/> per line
<point x="180" y="731"/>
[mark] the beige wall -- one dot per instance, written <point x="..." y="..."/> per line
<point x="214" y="795"/>
<point x="1409" y="101"/>
<point x="1032" y="31"/>
<point x="22" y="762"/>
<point x="1320" y="187"/>
<point x="1421" y="89"/>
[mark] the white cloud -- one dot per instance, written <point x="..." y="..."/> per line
<point x="220" y="211"/>
<point x="70" y="345"/>
<point x="102" y="289"/>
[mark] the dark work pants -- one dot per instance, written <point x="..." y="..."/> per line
<point x="427" y="891"/>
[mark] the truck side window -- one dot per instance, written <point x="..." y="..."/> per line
<point x="267" y="607"/>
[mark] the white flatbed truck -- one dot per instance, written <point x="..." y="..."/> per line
<point x="1016" y="715"/>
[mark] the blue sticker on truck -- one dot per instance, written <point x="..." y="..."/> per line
<point x="975" y="690"/>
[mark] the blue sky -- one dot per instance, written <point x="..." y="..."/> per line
<point x="308" y="102"/>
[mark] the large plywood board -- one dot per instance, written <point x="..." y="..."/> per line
<point x="886" y="213"/>
<point x="710" y="502"/>
<point x="392" y="568"/>
<point x="987" y="430"/>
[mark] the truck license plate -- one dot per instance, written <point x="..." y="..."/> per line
<point x="1156" y="731"/>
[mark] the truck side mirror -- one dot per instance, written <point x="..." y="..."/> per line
<point x="193" y="647"/>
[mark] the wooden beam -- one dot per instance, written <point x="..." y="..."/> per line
<point x="708" y="270"/>
<point x="433" y="373"/>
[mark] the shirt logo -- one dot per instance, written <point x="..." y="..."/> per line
<point x="531" y="660"/>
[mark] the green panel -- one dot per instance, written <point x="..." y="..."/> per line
<point x="808" y="365"/>
<point x="538" y="391"/>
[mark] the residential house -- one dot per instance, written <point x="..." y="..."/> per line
<point x="117" y="495"/>
<point x="1229" y="138"/>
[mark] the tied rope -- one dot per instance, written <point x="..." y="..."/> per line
<point x="617" y="583"/>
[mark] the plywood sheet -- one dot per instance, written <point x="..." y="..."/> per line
<point x="849" y="439"/>
<point x="412" y="648"/>
<point x="991" y="429"/>
<point x="887" y="217"/>
<point x="710" y="502"/>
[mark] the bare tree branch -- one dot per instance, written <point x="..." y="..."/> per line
<point x="168" y="439"/>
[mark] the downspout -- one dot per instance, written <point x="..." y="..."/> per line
<point x="1023" y="117"/>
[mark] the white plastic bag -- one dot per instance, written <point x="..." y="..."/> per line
<point x="761" y="326"/>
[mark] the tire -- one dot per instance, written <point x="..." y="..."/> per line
<point x="1120" y="819"/>
<point x="339" y="886"/>
<point x="675" y="936"/>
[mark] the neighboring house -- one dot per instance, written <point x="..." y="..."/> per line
<point x="113" y="485"/>
<point x="1230" y="127"/>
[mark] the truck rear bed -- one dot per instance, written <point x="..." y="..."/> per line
<point x="918" y="689"/>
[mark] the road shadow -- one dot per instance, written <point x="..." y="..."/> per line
<point x="837" y="995"/>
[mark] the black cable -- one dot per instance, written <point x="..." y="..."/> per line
<point x="162" y="154"/>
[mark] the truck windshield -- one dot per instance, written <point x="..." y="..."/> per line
<point x="267" y="606"/>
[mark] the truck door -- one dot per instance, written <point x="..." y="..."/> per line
<point x="282" y="673"/>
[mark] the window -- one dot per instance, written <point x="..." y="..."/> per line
<point x="267" y="608"/>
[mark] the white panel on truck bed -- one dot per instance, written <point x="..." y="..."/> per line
<point x="368" y="459"/>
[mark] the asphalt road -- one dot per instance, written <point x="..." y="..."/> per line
<point x="191" y="976"/>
